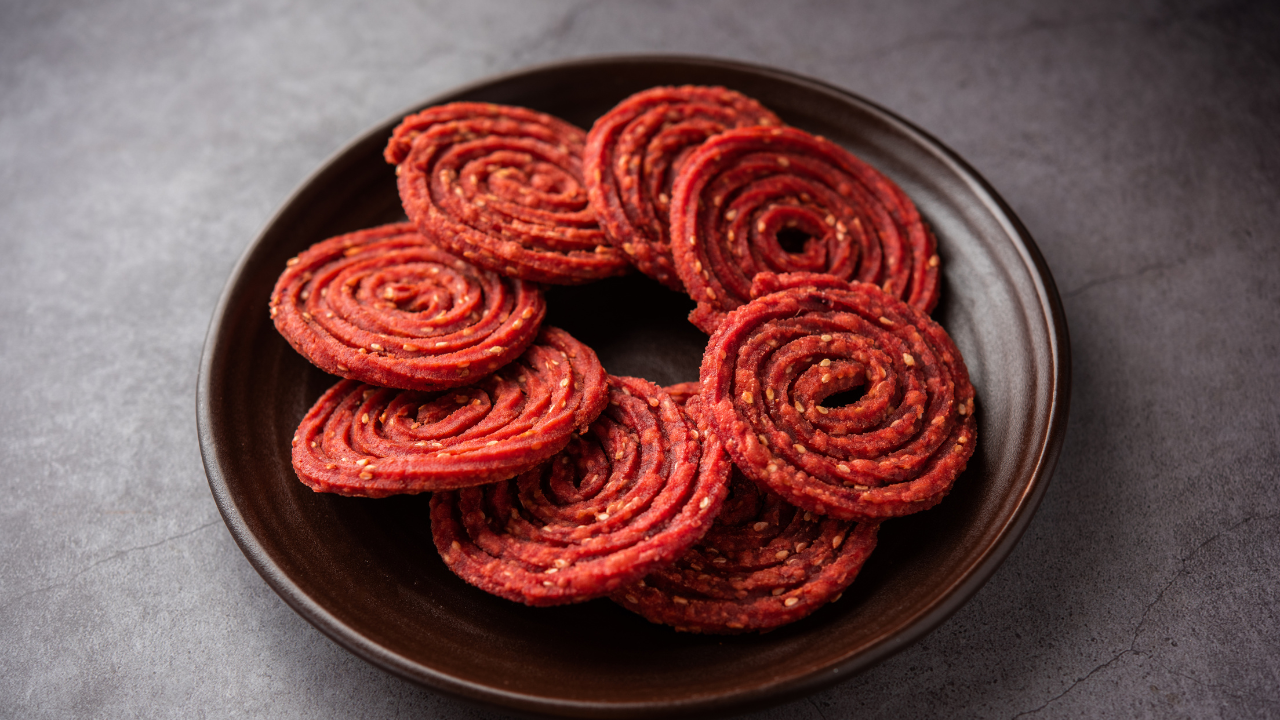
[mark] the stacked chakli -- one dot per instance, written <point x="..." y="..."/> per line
<point x="736" y="503"/>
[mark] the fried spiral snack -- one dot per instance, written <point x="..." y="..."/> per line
<point x="764" y="563"/>
<point x="682" y="392"/>
<point x="805" y="337"/>
<point x="502" y="187"/>
<point x="632" y="493"/>
<point x="373" y="442"/>
<point x="781" y="200"/>
<point x="634" y="152"/>
<point x="386" y="307"/>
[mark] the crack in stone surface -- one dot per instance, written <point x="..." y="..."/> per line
<point x="1142" y="620"/>
<point x="113" y="556"/>
<point x="1119" y="277"/>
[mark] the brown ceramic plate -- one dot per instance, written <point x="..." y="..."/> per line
<point x="365" y="572"/>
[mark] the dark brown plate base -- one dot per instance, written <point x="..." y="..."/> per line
<point x="364" y="571"/>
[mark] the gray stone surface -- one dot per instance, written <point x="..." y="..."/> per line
<point x="143" y="144"/>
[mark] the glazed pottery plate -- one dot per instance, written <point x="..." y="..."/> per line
<point x="365" y="572"/>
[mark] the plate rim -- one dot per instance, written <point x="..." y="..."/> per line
<point x="978" y="572"/>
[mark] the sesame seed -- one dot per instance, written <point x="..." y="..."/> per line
<point x="779" y="591"/>
<point x="747" y="397"/>
<point x="679" y="600"/>
<point x="306" y="316"/>
<point x="697" y="266"/>
<point x="291" y="261"/>
<point x="516" y="325"/>
<point x="364" y="419"/>
<point x="799" y="407"/>
<point x="366" y="476"/>
<point x="800" y="546"/>
<point x="760" y="526"/>
<point x="826" y="338"/>
<point x="826" y="378"/>
<point x="442" y="343"/>
<point x="783" y="162"/>
<point x="760" y="226"/>
<point x="547" y="583"/>
<point x="491" y="442"/>
<point x="843" y="467"/>
<point x="564" y="382"/>
<point x="835" y="541"/>
<point x="886" y="321"/>
<point x="826" y="362"/>
<point x="551" y="571"/>
<point x="711" y="293"/>
<point x="910" y="361"/>
<point x="934" y="260"/>
<point x="790" y="601"/>
<point x="694" y="433"/>
<point x="781" y="555"/>
<point x="830" y="219"/>
<point x="771" y="468"/>
<point x="653" y="402"/>
<point x="763" y="440"/>
<point x="731" y="214"/>
<point x="362" y="461"/>
<point x="602" y="516"/>
<point x="618" y="455"/>
<point x="768" y="393"/>
<point x="962" y="439"/>
<point x="705" y="502"/>
<point x="632" y="599"/>
<point x="410" y="348"/>
<point x="720" y="560"/>
<point x="528" y="313"/>
<point x="496" y="349"/>
<point x="799" y="448"/>
<point x="375" y="346"/>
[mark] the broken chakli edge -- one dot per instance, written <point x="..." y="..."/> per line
<point x="903" y="597"/>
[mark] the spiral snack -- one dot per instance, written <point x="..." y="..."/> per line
<point x="764" y="563"/>
<point x="502" y="187"/>
<point x="632" y="157"/>
<point x="631" y="494"/>
<point x="781" y="200"/>
<point x="682" y="392"/>
<point x="386" y="307"/>
<point x="373" y="442"/>
<point x="805" y="337"/>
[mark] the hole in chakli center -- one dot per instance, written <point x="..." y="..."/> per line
<point x="845" y="397"/>
<point x="792" y="240"/>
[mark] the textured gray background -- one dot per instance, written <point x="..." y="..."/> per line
<point x="143" y="145"/>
